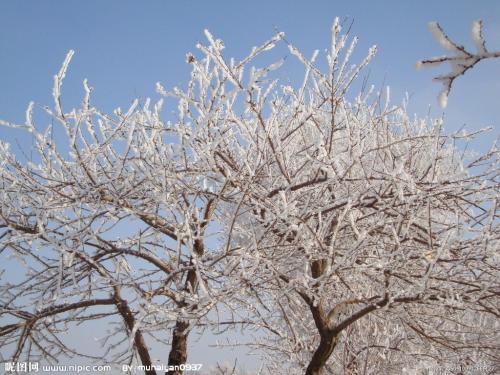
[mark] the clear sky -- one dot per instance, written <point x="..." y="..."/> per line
<point x="125" y="47"/>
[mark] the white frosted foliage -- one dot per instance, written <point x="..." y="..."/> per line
<point x="338" y="232"/>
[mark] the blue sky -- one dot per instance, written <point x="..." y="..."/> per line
<point x="125" y="47"/>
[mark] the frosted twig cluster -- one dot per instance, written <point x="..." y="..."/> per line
<point x="460" y="60"/>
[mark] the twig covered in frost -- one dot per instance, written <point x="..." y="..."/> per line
<point x="460" y="60"/>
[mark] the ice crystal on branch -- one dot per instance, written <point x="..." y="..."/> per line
<point x="460" y="60"/>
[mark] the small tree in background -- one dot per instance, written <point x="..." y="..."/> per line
<point x="359" y="240"/>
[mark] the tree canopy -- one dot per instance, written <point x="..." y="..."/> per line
<point x="347" y="235"/>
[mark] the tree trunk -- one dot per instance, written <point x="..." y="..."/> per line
<point x="139" y="342"/>
<point x="320" y="357"/>
<point x="178" y="351"/>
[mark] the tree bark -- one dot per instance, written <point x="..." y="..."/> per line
<point x="328" y="336"/>
<point x="139" y="342"/>
<point x="318" y="267"/>
<point x="178" y="351"/>
<point x="320" y="357"/>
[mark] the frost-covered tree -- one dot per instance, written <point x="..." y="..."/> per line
<point x="117" y="215"/>
<point x="349" y="237"/>
<point x="374" y="240"/>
